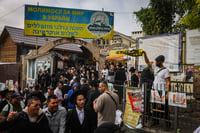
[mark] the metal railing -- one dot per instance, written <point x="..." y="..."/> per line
<point x="173" y="118"/>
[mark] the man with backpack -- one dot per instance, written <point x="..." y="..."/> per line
<point x="161" y="81"/>
<point x="13" y="105"/>
<point x="106" y="104"/>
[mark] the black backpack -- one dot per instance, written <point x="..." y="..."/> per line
<point x="3" y="104"/>
<point x="108" y="128"/>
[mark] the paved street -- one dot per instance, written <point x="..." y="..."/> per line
<point x="128" y="130"/>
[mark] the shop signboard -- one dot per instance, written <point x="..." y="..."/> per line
<point x="113" y="55"/>
<point x="104" y="52"/>
<point x="67" y="22"/>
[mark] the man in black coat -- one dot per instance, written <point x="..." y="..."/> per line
<point x="30" y="120"/>
<point x="134" y="77"/>
<point x="84" y="86"/>
<point x="77" y="119"/>
<point x="45" y="80"/>
<point x="92" y="115"/>
<point x="6" y="94"/>
<point x="120" y="77"/>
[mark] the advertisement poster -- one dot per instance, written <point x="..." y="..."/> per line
<point x="157" y="96"/>
<point x="130" y="63"/>
<point x="130" y="117"/>
<point x="67" y="22"/>
<point x="110" y="87"/>
<point x="134" y="107"/>
<point x="11" y="86"/>
<point x="177" y="99"/>
<point x="2" y="86"/>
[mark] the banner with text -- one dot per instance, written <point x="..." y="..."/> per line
<point x="65" y="22"/>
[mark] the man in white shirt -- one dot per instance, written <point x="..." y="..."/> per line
<point x="161" y="81"/>
<point x="104" y="73"/>
<point x="58" y="93"/>
<point x="161" y="73"/>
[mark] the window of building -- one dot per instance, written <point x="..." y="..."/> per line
<point x="31" y="69"/>
<point x="108" y="42"/>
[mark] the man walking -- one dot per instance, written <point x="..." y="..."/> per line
<point x="106" y="104"/>
<point x="55" y="114"/>
<point x="120" y="77"/>
<point x="58" y="93"/>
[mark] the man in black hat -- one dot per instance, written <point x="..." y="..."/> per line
<point x="120" y="77"/>
<point x="77" y="120"/>
<point x="6" y="94"/>
<point x="134" y="77"/>
<point x="45" y="80"/>
<point x="161" y="82"/>
<point x="84" y="86"/>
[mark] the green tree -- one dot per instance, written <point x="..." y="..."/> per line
<point x="192" y="18"/>
<point x="159" y="17"/>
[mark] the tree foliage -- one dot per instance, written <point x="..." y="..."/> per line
<point x="165" y="16"/>
<point x="192" y="18"/>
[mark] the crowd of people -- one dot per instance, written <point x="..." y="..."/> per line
<point x="69" y="101"/>
<point x="74" y="100"/>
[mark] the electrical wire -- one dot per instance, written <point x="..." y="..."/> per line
<point x="1" y="17"/>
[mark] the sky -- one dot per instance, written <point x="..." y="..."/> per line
<point x="12" y="11"/>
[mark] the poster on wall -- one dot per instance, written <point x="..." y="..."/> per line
<point x="110" y="87"/>
<point x="134" y="107"/>
<point x="43" y="65"/>
<point x="130" y="63"/>
<point x="2" y="86"/>
<point x="168" y="45"/>
<point x="177" y="99"/>
<point x="60" y="65"/>
<point x="192" y="47"/>
<point x="157" y="96"/>
<point x="11" y="85"/>
<point x="67" y="22"/>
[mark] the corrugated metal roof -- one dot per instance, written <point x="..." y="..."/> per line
<point x="17" y="35"/>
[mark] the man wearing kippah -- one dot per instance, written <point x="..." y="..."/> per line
<point x="161" y="81"/>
